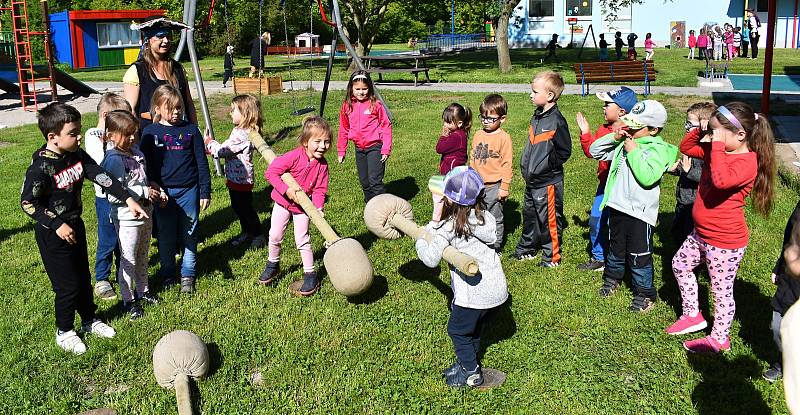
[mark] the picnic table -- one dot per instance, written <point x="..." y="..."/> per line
<point x="406" y="62"/>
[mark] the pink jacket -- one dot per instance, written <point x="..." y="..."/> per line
<point x="692" y="41"/>
<point x="364" y="126"/>
<point x="237" y="151"/>
<point x="311" y="174"/>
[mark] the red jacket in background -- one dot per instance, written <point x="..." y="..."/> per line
<point x="366" y="124"/>
<point x="603" y="165"/>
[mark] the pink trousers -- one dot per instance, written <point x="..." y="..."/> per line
<point x="278" y="222"/>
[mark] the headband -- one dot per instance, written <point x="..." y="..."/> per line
<point x="360" y="76"/>
<point x="729" y="115"/>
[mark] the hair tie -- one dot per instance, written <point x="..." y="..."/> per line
<point x="729" y="115"/>
<point x="359" y="76"/>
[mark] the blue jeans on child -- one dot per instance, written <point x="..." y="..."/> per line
<point x="598" y="229"/>
<point x="178" y="219"/>
<point x="107" y="247"/>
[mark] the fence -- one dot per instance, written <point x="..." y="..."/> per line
<point x="449" y="42"/>
<point x="7" y="46"/>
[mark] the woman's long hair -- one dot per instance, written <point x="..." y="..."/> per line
<point x="151" y="61"/>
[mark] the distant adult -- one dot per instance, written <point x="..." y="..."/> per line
<point x="258" y="48"/>
<point x="754" y="24"/>
<point x="154" y="68"/>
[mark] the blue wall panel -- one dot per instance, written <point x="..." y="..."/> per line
<point x="59" y="29"/>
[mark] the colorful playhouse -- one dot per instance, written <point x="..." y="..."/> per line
<point x="96" y="38"/>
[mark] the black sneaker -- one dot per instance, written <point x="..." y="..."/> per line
<point x="134" y="309"/>
<point x="592" y="265"/>
<point x="452" y="369"/>
<point x="524" y="257"/>
<point x="608" y="288"/>
<point x="642" y="304"/>
<point x="774" y="373"/>
<point x="149" y="298"/>
<point x="169" y="281"/>
<point x="310" y="284"/>
<point x="462" y="377"/>
<point x="269" y="274"/>
<point x="549" y="264"/>
<point x="187" y="285"/>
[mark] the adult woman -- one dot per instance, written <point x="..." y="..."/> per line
<point x="753" y="23"/>
<point x="258" y="48"/>
<point x="154" y="68"/>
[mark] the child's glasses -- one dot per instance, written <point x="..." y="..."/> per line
<point x="489" y="120"/>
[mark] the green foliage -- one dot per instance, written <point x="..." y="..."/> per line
<point x="398" y="26"/>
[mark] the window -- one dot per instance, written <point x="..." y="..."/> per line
<point x="116" y="35"/>
<point x="579" y="8"/>
<point x="538" y="9"/>
<point x="761" y="6"/>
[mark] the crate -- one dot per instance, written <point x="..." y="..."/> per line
<point x="268" y="85"/>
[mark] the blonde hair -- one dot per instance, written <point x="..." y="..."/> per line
<point x="121" y="122"/>
<point x="165" y="95"/>
<point x="312" y="124"/>
<point x="552" y="81"/>
<point x="111" y="101"/>
<point x="250" y="108"/>
<point x="703" y="110"/>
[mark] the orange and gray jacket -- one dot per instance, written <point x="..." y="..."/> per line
<point x="547" y="149"/>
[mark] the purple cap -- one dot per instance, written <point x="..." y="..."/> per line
<point x="463" y="185"/>
<point x="622" y="96"/>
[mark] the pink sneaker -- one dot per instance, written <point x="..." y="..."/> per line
<point x="706" y="345"/>
<point x="686" y="324"/>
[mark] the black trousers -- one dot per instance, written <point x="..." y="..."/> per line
<point x="242" y="204"/>
<point x="682" y="224"/>
<point x="370" y="171"/>
<point x="630" y="243"/>
<point x="543" y="222"/>
<point x="227" y="75"/>
<point x="754" y="45"/>
<point x="464" y="328"/>
<point x="743" y="50"/>
<point x="67" y="266"/>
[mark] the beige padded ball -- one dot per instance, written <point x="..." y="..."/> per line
<point x="349" y="268"/>
<point x="179" y="352"/>
<point x="379" y="212"/>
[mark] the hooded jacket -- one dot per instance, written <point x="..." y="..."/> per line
<point x="488" y="288"/>
<point x="547" y="149"/>
<point x="633" y="184"/>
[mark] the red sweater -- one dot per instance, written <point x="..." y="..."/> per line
<point x="453" y="148"/>
<point x="725" y="182"/>
<point x="586" y="142"/>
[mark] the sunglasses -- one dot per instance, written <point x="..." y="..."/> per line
<point x="489" y="120"/>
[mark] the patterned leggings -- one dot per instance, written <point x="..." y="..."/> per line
<point x="722" y="265"/>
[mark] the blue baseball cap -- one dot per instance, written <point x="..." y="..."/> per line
<point x="622" y="96"/>
<point x="463" y="185"/>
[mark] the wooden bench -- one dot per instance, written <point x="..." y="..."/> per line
<point x="617" y="71"/>
<point x="413" y="71"/>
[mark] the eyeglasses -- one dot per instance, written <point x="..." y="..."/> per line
<point x="489" y="120"/>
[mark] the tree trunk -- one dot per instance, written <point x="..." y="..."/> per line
<point x="501" y="36"/>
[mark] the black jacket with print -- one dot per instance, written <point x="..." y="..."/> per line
<point x="51" y="193"/>
<point x="547" y="149"/>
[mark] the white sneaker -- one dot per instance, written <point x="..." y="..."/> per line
<point x="70" y="342"/>
<point x="99" y="329"/>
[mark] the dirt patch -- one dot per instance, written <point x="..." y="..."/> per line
<point x="4" y="144"/>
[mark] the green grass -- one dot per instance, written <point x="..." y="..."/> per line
<point x="481" y="67"/>
<point x="565" y="350"/>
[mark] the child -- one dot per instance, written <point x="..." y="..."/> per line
<point x="718" y="41"/>
<point x="51" y="195"/>
<point x="786" y="295"/>
<point x="649" y="47"/>
<point x="632" y="55"/>
<point x="107" y="246"/>
<point x="237" y="151"/>
<point x="737" y="41"/>
<point x="739" y="159"/>
<point x="618" y="44"/>
<point x="639" y="157"/>
<point x="177" y="167"/>
<point x="363" y="120"/>
<point x="688" y="171"/>
<point x="126" y="163"/>
<point x="603" y="48"/>
<point x="616" y="103"/>
<point x="308" y="166"/>
<point x="702" y="44"/>
<point x="692" y="44"/>
<point x="745" y="41"/>
<point x="470" y="229"/>
<point x="452" y="145"/>
<point x="491" y="156"/>
<point x="728" y="39"/>
<point x="228" y="65"/>
<point x="542" y="163"/>
<point x="551" y="49"/>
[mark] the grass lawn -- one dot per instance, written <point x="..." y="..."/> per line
<point x="481" y="67"/>
<point x="564" y="349"/>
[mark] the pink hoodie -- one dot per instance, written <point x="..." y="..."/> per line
<point x="311" y="174"/>
<point x="364" y="126"/>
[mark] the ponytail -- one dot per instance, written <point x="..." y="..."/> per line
<point x="762" y="142"/>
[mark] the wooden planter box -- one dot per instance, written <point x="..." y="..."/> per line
<point x="268" y="85"/>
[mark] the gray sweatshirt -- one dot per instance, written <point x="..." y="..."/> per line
<point x="128" y="168"/>
<point x="488" y="288"/>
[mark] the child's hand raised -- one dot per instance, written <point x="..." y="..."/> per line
<point x="583" y="124"/>
<point x="445" y="131"/>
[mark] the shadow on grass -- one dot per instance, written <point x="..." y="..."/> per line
<point x="512" y="219"/>
<point x="8" y="233"/>
<point x="726" y="385"/>
<point x="378" y="289"/>
<point x="754" y="312"/>
<point x="498" y="327"/>
<point x="405" y="188"/>
<point x="215" y="362"/>
<point x="415" y="270"/>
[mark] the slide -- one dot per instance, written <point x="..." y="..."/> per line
<point x="8" y="79"/>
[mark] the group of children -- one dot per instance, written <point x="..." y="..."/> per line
<point x="728" y="155"/>
<point x="719" y="43"/>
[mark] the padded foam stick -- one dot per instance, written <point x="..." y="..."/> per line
<point x="178" y="356"/>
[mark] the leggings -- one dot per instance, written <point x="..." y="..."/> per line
<point x="279" y="221"/>
<point x="722" y="265"/>
<point x="134" y="244"/>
